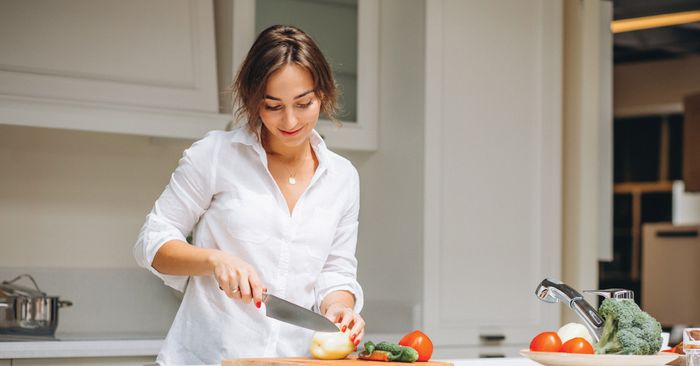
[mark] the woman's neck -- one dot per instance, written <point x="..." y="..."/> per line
<point x="273" y="146"/>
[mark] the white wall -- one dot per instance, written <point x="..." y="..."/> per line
<point x="71" y="205"/>
<point x="76" y="200"/>
<point x="70" y="198"/>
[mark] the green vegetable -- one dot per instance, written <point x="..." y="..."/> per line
<point x="628" y="330"/>
<point x="394" y="352"/>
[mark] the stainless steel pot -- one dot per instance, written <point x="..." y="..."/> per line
<point x="28" y="311"/>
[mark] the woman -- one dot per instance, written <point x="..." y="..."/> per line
<point x="270" y="209"/>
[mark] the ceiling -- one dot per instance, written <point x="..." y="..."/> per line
<point x="657" y="43"/>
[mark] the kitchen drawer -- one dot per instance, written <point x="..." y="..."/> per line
<point x="83" y="361"/>
<point x="478" y="352"/>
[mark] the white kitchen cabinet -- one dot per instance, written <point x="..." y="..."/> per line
<point x="84" y="361"/>
<point x="127" y="66"/>
<point x="446" y="353"/>
<point x="492" y="170"/>
<point x="236" y="32"/>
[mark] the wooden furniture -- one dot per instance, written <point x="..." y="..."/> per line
<point x="670" y="273"/>
<point x="691" y="147"/>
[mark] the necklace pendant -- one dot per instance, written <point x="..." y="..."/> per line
<point x="292" y="180"/>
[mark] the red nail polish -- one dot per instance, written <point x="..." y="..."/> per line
<point x="357" y="341"/>
<point x="344" y="327"/>
<point x="257" y="304"/>
<point x="352" y="337"/>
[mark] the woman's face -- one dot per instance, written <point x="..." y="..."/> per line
<point x="290" y="108"/>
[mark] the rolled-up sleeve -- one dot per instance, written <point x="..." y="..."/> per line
<point x="179" y="207"/>
<point x="340" y="270"/>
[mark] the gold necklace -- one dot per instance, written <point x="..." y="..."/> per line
<point x="292" y="179"/>
<point x="293" y="174"/>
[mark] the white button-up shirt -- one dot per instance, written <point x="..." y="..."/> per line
<point x="223" y="193"/>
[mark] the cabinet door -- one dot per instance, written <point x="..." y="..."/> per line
<point x="85" y="361"/>
<point x="135" y="67"/>
<point x="324" y="20"/>
<point x="492" y="167"/>
<point x="157" y="53"/>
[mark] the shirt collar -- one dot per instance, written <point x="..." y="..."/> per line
<point x="244" y="135"/>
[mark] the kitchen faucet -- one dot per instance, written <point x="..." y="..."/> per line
<point x="552" y="291"/>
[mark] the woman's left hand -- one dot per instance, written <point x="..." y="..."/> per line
<point x="347" y="318"/>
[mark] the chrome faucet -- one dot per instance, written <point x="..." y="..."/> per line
<point x="552" y="291"/>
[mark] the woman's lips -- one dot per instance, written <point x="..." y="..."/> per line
<point x="291" y="133"/>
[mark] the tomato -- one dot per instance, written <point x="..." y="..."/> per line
<point x="546" y="342"/>
<point x="577" y="345"/>
<point x="420" y="342"/>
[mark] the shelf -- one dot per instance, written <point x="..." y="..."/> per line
<point x="643" y="187"/>
<point x="100" y="117"/>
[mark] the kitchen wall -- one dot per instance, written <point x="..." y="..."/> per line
<point x="71" y="204"/>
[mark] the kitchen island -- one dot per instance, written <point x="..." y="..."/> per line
<point x="128" y="350"/>
<point x="514" y="361"/>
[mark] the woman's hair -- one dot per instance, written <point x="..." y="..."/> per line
<point x="275" y="47"/>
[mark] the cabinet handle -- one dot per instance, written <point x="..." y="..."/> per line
<point x="492" y="337"/>
<point x="677" y="234"/>
<point x="492" y="355"/>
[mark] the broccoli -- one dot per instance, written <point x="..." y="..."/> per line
<point x="627" y="330"/>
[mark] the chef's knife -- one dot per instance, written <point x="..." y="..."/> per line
<point x="288" y="312"/>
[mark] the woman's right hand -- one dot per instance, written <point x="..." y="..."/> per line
<point x="233" y="273"/>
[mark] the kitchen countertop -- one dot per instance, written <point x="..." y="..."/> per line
<point x="125" y="345"/>
<point x="515" y="361"/>
<point x="83" y="345"/>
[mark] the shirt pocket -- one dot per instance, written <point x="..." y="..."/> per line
<point x="317" y="242"/>
<point x="250" y="220"/>
<point x="324" y="228"/>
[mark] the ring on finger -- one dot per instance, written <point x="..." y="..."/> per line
<point x="235" y="290"/>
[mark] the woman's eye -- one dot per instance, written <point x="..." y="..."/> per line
<point x="305" y="105"/>
<point x="273" y="107"/>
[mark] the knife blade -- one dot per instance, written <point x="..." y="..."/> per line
<point x="291" y="313"/>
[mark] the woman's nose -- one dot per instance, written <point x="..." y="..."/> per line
<point x="290" y="118"/>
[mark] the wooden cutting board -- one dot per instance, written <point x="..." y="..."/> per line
<point x="314" y="362"/>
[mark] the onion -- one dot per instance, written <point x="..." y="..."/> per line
<point x="331" y="345"/>
<point x="573" y="330"/>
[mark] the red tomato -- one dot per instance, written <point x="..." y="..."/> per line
<point x="420" y="342"/>
<point x="577" y="345"/>
<point x="546" y="342"/>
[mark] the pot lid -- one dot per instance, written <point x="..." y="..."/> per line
<point x="12" y="289"/>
